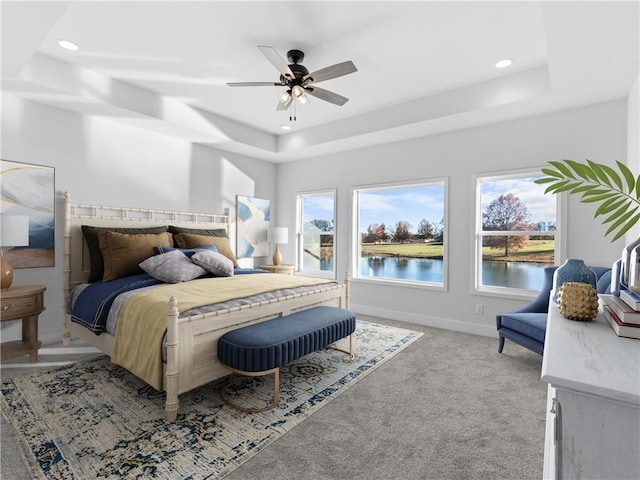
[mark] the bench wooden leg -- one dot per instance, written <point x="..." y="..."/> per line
<point x="276" y="389"/>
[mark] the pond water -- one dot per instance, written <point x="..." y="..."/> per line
<point x="527" y="276"/>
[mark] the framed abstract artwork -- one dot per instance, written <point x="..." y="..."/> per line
<point x="28" y="202"/>
<point x="252" y="215"/>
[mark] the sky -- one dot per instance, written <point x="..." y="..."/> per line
<point x="411" y="204"/>
<point x="389" y="205"/>
<point x="541" y="207"/>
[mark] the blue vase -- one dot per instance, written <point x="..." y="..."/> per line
<point x="573" y="270"/>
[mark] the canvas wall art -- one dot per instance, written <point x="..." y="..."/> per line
<point x="28" y="190"/>
<point x="252" y="225"/>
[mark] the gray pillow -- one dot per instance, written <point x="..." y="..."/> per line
<point x="172" y="267"/>
<point x="213" y="262"/>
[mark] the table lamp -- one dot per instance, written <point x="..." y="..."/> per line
<point x="278" y="235"/>
<point x="14" y="232"/>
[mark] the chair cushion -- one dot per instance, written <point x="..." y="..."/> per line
<point x="604" y="279"/>
<point x="532" y="325"/>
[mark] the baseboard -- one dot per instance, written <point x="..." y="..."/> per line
<point x="46" y="357"/>
<point x="426" y="320"/>
<point x="55" y="338"/>
<point x="50" y="338"/>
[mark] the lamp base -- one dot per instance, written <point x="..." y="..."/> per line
<point x="6" y="272"/>
<point x="277" y="257"/>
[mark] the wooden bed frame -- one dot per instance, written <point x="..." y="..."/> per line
<point x="192" y="342"/>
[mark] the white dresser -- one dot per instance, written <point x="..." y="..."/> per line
<point x="593" y="409"/>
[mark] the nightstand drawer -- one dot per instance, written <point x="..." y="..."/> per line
<point x="19" y="307"/>
<point x="21" y="302"/>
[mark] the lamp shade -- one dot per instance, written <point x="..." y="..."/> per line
<point x="278" y="235"/>
<point x="14" y="230"/>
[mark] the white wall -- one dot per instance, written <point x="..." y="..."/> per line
<point x="633" y="141"/>
<point x="100" y="161"/>
<point x="596" y="132"/>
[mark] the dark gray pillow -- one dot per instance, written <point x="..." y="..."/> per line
<point x="96" y="261"/>
<point x="215" y="232"/>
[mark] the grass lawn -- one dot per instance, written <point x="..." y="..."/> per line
<point x="538" y="251"/>
<point x="415" y="250"/>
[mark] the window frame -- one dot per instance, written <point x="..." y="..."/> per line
<point x="332" y="275"/>
<point x="560" y="247"/>
<point x="356" y="247"/>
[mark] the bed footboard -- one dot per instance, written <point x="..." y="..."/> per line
<point x="172" y="403"/>
<point x="192" y="342"/>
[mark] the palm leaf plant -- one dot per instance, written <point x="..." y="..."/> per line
<point x="616" y="191"/>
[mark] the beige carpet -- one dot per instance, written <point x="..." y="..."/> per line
<point x="447" y="406"/>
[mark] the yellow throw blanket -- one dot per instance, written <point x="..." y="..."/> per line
<point x="143" y="319"/>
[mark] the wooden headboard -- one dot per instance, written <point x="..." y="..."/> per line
<point x="76" y="253"/>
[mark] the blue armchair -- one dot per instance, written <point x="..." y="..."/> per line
<point x="527" y="326"/>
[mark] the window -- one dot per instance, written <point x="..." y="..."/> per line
<point x="401" y="233"/>
<point x="517" y="233"/>
<point x="316" y="233"/>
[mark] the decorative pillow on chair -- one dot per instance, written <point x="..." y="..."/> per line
<point x="123" y="253"/>
<point x="172" y="267"/>
<point x="213" y="262"/>
<point x="188" y="240"/>
<point x="187" y="251"/>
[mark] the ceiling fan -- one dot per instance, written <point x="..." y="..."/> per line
<point x="298" y="80"/>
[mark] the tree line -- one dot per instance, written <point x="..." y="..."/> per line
<point x="401" y="233"/>
<point x="505" y="213"/>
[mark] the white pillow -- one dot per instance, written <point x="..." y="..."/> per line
<point x="172" y="267"/>
<point x="213" y="262"/>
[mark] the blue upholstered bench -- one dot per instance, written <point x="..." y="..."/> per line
<point x="262" y="348"/>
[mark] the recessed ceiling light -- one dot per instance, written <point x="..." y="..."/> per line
<point x="285" y="127"/>
<point x="504" y="63"/>
<point x="68" y="45"/>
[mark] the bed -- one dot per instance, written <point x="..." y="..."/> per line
<point x="188" y="352"/>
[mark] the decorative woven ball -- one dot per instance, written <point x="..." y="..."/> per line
<point x="578" y="301"/>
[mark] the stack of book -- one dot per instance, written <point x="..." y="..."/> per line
<point x="623" y="313"/>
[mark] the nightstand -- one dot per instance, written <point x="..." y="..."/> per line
<point x="282" y="268"/>
<point x="26" y="303"/>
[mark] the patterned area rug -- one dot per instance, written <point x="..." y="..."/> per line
<point x="94" y="419"/>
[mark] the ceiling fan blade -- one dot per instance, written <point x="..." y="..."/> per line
<point x="255" y="84"/>
<point x="334" y="71"/>
<point x="276" y="60"/>
<point x="326" y="95"/>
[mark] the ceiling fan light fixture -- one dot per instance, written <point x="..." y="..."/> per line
<point x="286" y="97"/>
<point x="297" y="91"/>
<point x="285" y="100"/>
<point x="299" y="81"/>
